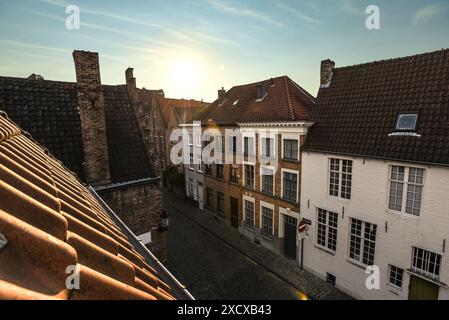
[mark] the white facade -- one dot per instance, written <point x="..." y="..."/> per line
<point x="396" y="234"/>
<point x="194" y="178"/>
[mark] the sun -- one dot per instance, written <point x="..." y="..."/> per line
<point x="185" y="73"/>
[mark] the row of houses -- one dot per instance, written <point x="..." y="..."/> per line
<point x="355" y="178"/>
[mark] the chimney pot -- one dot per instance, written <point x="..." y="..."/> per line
<point x="221" y="94"/>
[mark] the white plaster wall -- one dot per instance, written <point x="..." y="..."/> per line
<point x="368" y="202"/>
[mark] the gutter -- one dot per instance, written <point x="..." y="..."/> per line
<point x="121" y="185"/>
<point x="179" y="290"/>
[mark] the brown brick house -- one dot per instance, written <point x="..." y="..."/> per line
<point x="272" y="118"/>
<point x="93" y="130"/>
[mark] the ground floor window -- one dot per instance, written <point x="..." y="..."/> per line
<point x="249" y="214"/>
<point x="220" y="202"/>
<point x="362" y="244"/>
<point x="210" y="198"/>
<point x="267" y="222"/>
<point x="327" y="223"/>
<point x="395" y="276"/>
<point x="426" y="262"/>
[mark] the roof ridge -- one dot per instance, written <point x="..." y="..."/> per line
<point x="394" y="59"/>
<point x="289" y="99"/>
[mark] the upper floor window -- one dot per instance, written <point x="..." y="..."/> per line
<point x="267" y="147"/>
<point x="340" y="178"/>
<point x="190" y="139"/>
<point x="327" y="229"/>
<point x="218" y="144"/>
<point x="362" y="243"/>
<point x="220" y="171"/>
<point x="208" y="169"/>
<point x="290" y="149"/>
<point x="426" y="262"/>
<point x="410" y="179"/>
<point x="267" y="180"/>
<point x="290" y="186"/>
<point x="198" y="139"/>
<point x="234" y="175"/>
<point x="407" y="122"/>
<point x="249" y="176"/>
<point x="191" y="166"/>
<point x="200" y="163"/>
<point x="248" y="146"/>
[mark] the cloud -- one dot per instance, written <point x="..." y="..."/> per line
<point x="297" y="13"/>
<point x="349" y="7"/>
<point x="242" y="11"/>
<point x="426" y="13"/>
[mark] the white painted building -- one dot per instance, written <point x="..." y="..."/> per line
<point x="375" y="179"/>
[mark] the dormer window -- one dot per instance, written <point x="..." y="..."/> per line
<point x="407" y="122"/>
<point x="261" y="92"/>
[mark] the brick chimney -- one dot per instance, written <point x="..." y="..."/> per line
<point x="131" y="83"/>
<point x="92" y="115"/>
<point x="327" y="68"/>
<point x="221" y="94"/>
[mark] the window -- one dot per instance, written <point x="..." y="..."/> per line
<point x="407" y="122"/>
<point x="233" y="144"/>
<point x="249" y="214"/>
<point x="191" y="188"/>
<point x="395" y="276"/>
<point x="220" y="202"/>
<point x="249" y="176"/>
<point x="362" y="242"/>
<point x="290" y="186"/>
<point x="426" y="263"/>
<point x="218" y="144"/>
<point x="267" y="147"/>
<point x="209" y="198"/>
<point x="198" y="139"/>
<point x="267" y="222"/>
<point x="330" y="278"/>
<point x="200" y="163"/>
<point x="340" y="178"/>
<point x="191" y="161"/>
<point x="290" y="150"/>
<point x="267" y="180"/>
<point x="414" y="186"/>
<point x="248" y="146"/>
<point x="208" y="169"/>
<point x="327" y="229"/>
<point x="190" y="139"/>
<point x="220" y="171"/>
<point x="234" y="175"/>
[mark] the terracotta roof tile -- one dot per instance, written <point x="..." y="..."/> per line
<point x="51" y="221"/>
<point x="285" y="101"/>
<point x="183" y="110"/>
<point x="357" y="113"/>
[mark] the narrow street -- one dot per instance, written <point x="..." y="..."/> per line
<point x="211" y="269"/>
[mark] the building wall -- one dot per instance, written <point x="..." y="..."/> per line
<point x="396" y="234"/>
<point x="140" y="207"/>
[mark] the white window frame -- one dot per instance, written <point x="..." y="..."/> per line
<point x="253" y="201"/>
<point x="245" y="163"/>
<point x="405" y="187"/>
<point x="327" y="226"/>
<point x="198" y="139"/>
<point x="200" y="163"/>
<point x="389" y="277"/>
<point x="263" y="135"/>
<point x="191" y="161"/>
<point x="190" y="139"/>
<point x="297" y="183"/>
<point x="296" y="137"/>
<point x="362" y="242"/>
<point x="340" y="176"/>
<point x="425" y="272"/>
<point x="249" y="136"/>
<point x="268" y="206"/>
<point x="261" y="178"/>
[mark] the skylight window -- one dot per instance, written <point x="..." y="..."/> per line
<point x="236" y="102"/>
<point x="407" y="122"/>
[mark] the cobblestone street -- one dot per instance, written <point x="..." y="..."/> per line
<point x="215" y="262"/>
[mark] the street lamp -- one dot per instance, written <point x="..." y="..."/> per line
<point x="165" y="220"/>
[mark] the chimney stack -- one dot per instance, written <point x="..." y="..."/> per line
<point x="92" y="115"/>
<point x="327" y="68"/>
<point x="221" y="94"/>
<point x="131" y="83"/>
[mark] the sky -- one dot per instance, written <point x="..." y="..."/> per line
<point x="191" y="48"/>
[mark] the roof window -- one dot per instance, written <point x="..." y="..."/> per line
<point x="407" y="122"/>
<point x="236" y="102"/>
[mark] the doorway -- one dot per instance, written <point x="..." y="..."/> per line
<point x="290" y="236"/>
<point x="421" y="289"/>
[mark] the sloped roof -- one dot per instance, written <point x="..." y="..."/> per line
<point x="182" y="109"/>
<point x="285" y="101"/>
<point x="49" y="110"/>
<point x="128" y="160"/>
<point x="50" y="221"/>
<point x="357" y="113"/>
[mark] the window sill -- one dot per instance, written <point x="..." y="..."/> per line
<point x="220" y="179"/>
<point x="249" y="188"/>
<point x="337" y="198"/>
<point x="249" y="228"/>
<point x="267" y="238"/>
<point x="328" y="251"/>
<point x="271" y="194"/>
<point x="291" y="160"/>
<point x="234" y="183"/>
<point x="402" y="214"/>
<point x="356" y="264"/>
<point x="394" y="287"/>
<point x="290" y="201"/>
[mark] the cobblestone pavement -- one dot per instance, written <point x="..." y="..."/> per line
<point x="216" y="262"/>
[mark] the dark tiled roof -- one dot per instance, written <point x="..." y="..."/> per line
<point x="127" y="154"/>
<point x="285" y="101"/>
<point x="356" y="114"/>
<point x="50" y="221"/>
<point x="49" y="111"/>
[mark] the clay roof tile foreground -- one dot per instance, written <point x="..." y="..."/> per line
<point x="52" y="227"/>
